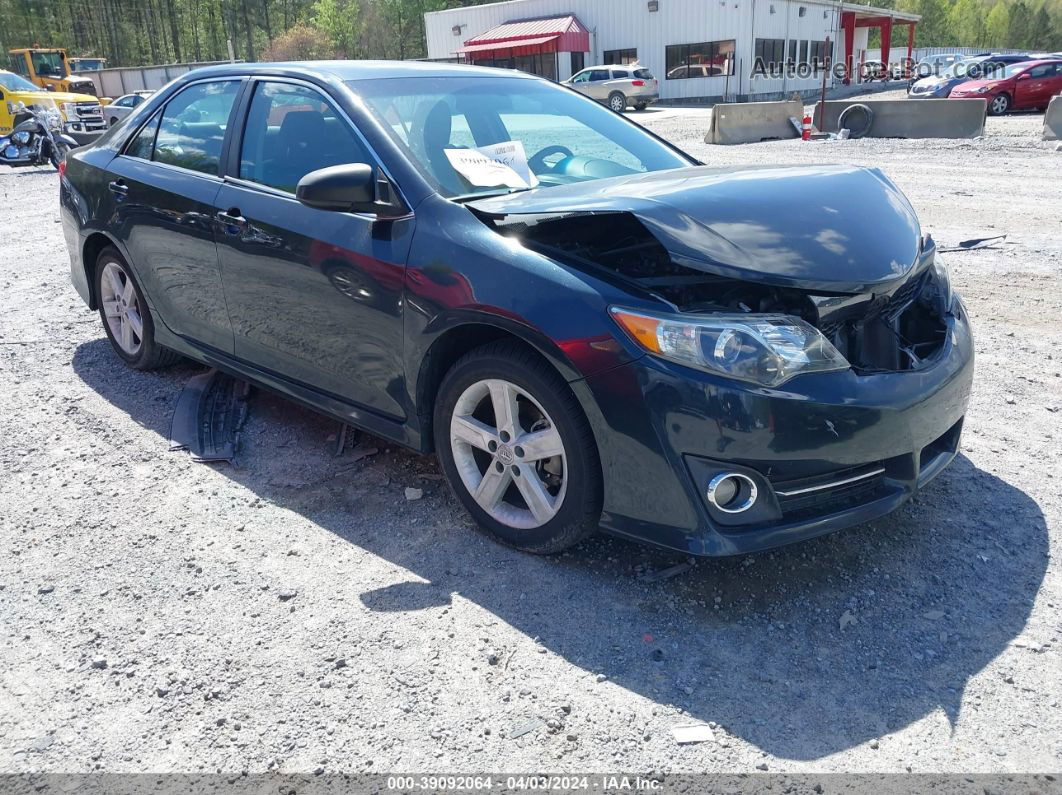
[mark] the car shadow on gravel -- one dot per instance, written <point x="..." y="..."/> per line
<point x="803" y="652"/>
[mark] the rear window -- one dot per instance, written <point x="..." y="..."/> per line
<point x="643" y="74"/>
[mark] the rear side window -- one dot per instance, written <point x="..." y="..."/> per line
<point x="293" y="130"/>
<point x="643" y="74"/>
<point x="193" y="124"/>
<point x="620" y="75"/>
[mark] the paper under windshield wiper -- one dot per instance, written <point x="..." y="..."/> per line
<point x="487" y="194"/>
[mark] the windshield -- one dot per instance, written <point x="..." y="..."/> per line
<point x="474" y="135"/>
<point x="48" y="63"/>
<point x="961" y="69"/>
<point x="15" y="83"/>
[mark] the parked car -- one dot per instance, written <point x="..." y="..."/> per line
<point x="975" y="68"/>
<point x="124" y="105"/>
<point x="934" y="65"/>
<point x="869" y="71"/>
<point x="603" y="334"/>
<point x="1023" y="86"/>
<point x="617" y="86"/>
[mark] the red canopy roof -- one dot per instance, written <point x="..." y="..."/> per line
<point x="551" y="34"/>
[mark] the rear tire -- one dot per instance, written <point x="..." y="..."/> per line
<point x="532" y="482"/>
<point x="641" y="106"/>
<point x="999" y="105"/>
<point x="125" y="314"/>
<point x="617" y="102"/>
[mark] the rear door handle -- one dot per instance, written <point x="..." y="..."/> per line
<point x="118" y="188"/>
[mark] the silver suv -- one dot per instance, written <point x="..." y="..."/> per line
<point x="617" y="86"/>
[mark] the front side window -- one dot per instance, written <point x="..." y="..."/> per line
<point x="565" y="137"/>
<point x="18" y="65"/>
<point x="292" y="130"/>
<point x="192" y="129"/>
<point x="143" y="144"/>
<point x="582" y="77"/>
<point x="124" y="102"/>
<point x="703" y="59"/>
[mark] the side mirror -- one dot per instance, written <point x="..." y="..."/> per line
<point x="349" y="188"/>
<point x="1023" y="76"/>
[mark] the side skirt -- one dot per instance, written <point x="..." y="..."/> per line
<point x="395" y="430"/>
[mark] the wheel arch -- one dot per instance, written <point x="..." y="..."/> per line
<point x="460" y="338"/>
<point x="90" y="252"/>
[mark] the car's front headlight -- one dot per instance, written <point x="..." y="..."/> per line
<point x="764" y="349"/>
<point x="69" y="110"/>
<point x="942" y="280"/>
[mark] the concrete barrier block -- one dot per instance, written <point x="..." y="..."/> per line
<point x="903" y="118"/>
<point x="751" y="122"/>
<point x="1053" y="120"/>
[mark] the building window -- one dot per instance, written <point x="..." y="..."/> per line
<point x="770" y="55"/>
<point x="706" y="59"/>
<point x="803" y="52"/>
<point x="791" y="59"/>
<point x="621" y="57"/>
<point x="818" y="52"/>
<point x="578" y="61"/>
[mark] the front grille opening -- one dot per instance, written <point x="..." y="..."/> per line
<point x="903" y="332"/>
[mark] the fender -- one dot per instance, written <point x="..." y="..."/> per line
<point x="66" y="139"/>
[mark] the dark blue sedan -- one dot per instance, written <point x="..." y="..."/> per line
<point x="589" y="327"/>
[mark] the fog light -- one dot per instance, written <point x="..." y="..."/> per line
<point x="732" y="492"/>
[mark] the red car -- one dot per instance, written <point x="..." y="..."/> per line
<point x="1022" y="86"/>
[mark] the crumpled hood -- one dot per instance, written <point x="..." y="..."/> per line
<point x="840" y="229"/>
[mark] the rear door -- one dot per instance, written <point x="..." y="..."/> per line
<point x="314" y="295"/>
<point x="163" y="187"/>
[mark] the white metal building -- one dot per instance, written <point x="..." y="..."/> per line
<point x="698" y="49"/>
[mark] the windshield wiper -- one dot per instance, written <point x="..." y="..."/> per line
<point x="490" y="194"/>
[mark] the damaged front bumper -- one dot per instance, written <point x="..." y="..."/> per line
<point x="826" y="451"/>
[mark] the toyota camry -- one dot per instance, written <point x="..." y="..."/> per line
<point x="590" y="328"/>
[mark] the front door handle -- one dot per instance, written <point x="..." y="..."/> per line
<point x="119" y="188"/>
<point x="231" y="217"/>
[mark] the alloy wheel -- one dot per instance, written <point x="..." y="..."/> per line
<point x="121" y="308"/>
<point x="1000" y="104"/>
<point x="509" y="453"/>
<point x="617" y="103"/>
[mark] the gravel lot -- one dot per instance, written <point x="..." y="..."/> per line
<point x="298" y="613"/>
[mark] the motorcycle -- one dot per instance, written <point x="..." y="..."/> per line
<point x="36" y="139"/>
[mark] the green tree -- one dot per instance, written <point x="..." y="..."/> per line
<point x="1020" y="26"/>
<point x="1043" y="37"/>
<point x="997" y="26"/>
<point x="967" y="22"/>
<point x="338" y="21"/>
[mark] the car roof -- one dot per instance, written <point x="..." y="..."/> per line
<point x="361" y="70"/>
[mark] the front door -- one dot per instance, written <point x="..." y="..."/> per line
<point x="1033" y="89"/>
<point x="598" y="84"/>
<point x="163" y="187"/>
<point x="314" y="295"/>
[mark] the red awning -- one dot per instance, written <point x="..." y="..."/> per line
<point x="535" y="45"/>
<point x="551" y="34"/>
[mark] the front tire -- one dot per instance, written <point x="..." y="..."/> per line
<point x="126" y="316"/>
<point x="617" y="102"/>
<point x="517" y="450"/>
<point x="999" y="105"/>
<point x="57" y="153"/>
